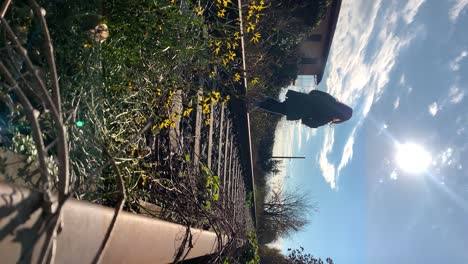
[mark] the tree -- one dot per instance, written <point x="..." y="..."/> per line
<point x="271" y="166"/>
<point x="285" y="212"/>
<point x="299" y="257"/>
<point x="271" y="255"/>
<point x="296" y="256"/>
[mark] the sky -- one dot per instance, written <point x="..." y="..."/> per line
<point x="403" y="67"/>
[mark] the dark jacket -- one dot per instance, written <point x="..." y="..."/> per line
<point x="315" y="109"/>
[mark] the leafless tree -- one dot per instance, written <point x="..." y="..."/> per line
<point x="286" y="211"/>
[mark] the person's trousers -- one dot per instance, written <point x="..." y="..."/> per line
<point x="273" y="105"/>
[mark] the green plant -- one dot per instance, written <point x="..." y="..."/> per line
<point x="212" y="183"/>
<point x="249" y="199"/>
<point x="252" y="256"/>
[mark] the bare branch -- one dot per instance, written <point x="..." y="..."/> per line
<point x="32" y="115"/>
<point x="118" y="210"/>
<point x="22" y="51"/>
<point x="5" y="6"/>
<point x="64" y="178"/>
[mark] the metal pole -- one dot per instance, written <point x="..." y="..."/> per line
<point x="286" y="157"/>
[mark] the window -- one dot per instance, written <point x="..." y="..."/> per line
<point x="315" y="37"/>
<point x="309" y="60"/>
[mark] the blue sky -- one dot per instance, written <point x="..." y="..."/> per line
<point x="402" y="66"/>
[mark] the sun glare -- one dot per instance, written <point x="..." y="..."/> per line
<point x="412" y="158"/>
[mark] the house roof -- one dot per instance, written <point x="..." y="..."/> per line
<point x="334" y="13"/>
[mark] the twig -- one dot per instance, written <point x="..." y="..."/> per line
<point x="32" y="115"/>
<point x="22" y="51"/>
<point x="118" y="210"/>
<point x="188" y="238"/>
<point x="63" y="169"/>
<point x="5" y="6"/>
<point x="130" y="142"/>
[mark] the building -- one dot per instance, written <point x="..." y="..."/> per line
<point x="315" y="49"/>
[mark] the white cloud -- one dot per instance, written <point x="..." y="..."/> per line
<point x="456" y="95"/>
<point x="298" y="129"/>
<point x="433" y="108"/>
<point x="396" y="104"/>
<point x="455" y="63"/>
<point x="403" y="80"/>
<point x="357" y="71"/>
<point x="328" y="169"/>
<point x="411" y="9"/>
<point x="310" y="133"/>
<point x="460" y="131"/>
<point x="347" y="152"/>
<point x="284" y="136"/>
<point x="457" y="9"/>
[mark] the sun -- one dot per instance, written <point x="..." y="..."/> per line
<point x="412" y="158"/>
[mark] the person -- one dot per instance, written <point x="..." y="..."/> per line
<point x="314" y="109"/>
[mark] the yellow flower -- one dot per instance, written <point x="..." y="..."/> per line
<point x="255" y="80"/>
<point x="250" y="27"/>
<point x="237" y="35"/>
<point x="231" y="55"/>
<point x="217" y="50"/>
<point x="225" y="61"/>
<point x="215" y="97"/>
<point x="206" y="109"/>
<point x="140" y="119"/>
<point x="215" y="94"/>
<point x="226" y="99"/>
<point x="158" y="92"/>
<point x="133" y="149"/>
<point x="212" y="74"/>
<point x="237" y="77"/>
<point x="86" y="45"/>
<point x="255" y="38"/>
<point x="234" y="45"/>
<point x="226" y="2"/>
<point x="143" y="182"/>
<point x="165" y="124"/>
<point x="260" y="7"/>
<point x="207" y="121"/>
<point x="250" y="14"/>
<point x="187" y="111"/>
<point x="222" y="12"/>
<point x="199" y="10"/>
<point x="130" y="85"/>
